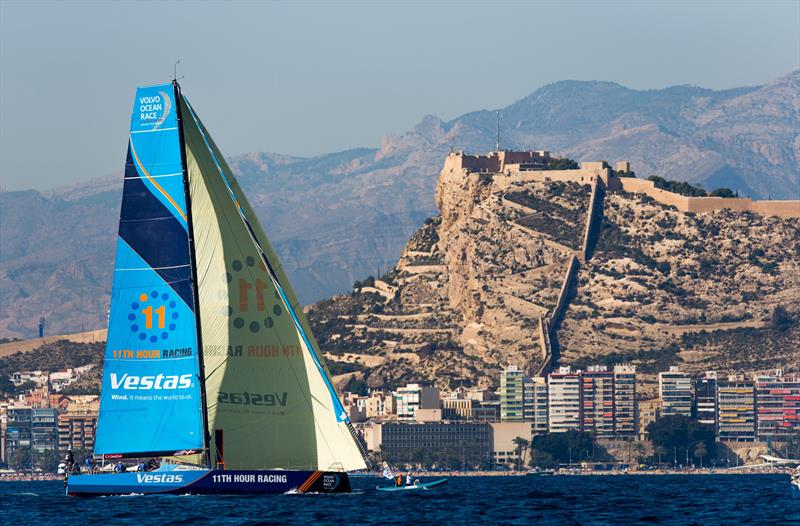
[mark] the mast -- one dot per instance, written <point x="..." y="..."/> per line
<point x="195" y="290"/>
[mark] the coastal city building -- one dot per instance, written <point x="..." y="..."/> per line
<point x="77" y="427"/>
<point x="705" y="399"/>
<point x="597" y="401"/>
<point x="600" y="400"/>
<point x="675" y="392"/>
<point x="625" y="401"/>
<point x="402" y="440"/>
<point x="649" y="411"/>
<point x="413" y="397"/>
<point x="564" y="400"/>
<point x="778" y="402"/>
<point x="504" y="449"/>
<point x="536" y="405"/>
<point x="44" y="429"/>
<point x="457" y="407"/>
<point x="512" y="394"/>
<point x="736" y="421"/>
<point x="523" y="398"/>
<point x="18" y="430"/>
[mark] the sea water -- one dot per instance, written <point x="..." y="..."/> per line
<point x="537" y="500"/>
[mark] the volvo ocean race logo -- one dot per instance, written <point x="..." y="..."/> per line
<point x="161" y="381"/>
<point x="153" y="109"/>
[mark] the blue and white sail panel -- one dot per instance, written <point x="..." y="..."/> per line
<point x="150" y="399"/>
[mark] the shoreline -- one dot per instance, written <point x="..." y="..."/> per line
<point x="49" y="477"/>
<point x="578" y="473"/>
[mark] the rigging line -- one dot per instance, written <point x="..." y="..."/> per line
<point x="236" y="241"/>
<point x="155" y="130"/>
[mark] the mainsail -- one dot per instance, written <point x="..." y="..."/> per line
<point x="208" y="346"/>
<point x="270" y="400"/>
<point x="151" y="396"/>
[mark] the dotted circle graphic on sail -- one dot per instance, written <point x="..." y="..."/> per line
<point x="249" y="309"/>
<point x="153" y="316"/>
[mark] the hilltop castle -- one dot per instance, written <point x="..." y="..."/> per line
<point x="509" y="167"/>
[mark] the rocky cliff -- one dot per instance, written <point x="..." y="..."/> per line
<point x="501" y="277"/>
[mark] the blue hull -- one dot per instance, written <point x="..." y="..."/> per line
<point x="207" y="482"/>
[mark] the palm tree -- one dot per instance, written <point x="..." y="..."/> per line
<point x="521" y="449"/>
<point x="639" y="448"/>
<point x="700" y="452"/>
<point x="658" y="451"/>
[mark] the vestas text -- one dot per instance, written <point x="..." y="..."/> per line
<point x="162" y="477"/>
<point x="161" y="381"/>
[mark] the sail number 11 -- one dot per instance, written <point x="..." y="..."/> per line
<point x="148" y="316"/>
<point x="244" y="294"/>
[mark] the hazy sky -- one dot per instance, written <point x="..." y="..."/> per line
<point x="308" y="78"/>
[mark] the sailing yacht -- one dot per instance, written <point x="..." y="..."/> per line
<point x="211" y="373"/>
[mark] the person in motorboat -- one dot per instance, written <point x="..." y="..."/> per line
<point x="398" y="481"/>
<point x="69" y="459"/>
<point x="408" y="480"/>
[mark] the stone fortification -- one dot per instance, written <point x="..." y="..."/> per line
<point x="783" y="208"/>
<point x="510" y="168"/>
<point x="538" y="267"/>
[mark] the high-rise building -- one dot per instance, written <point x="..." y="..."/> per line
<point x="76" y="430"/>
<point x="778" y="404"/>
<point x="413" y="397"/>
<point x="535" y="404"/>
<point x="564" y="400"/>
<point x="523" y="399"/>
<point x="18" y="430"/>
<point x="512" y="394"/>
<point x="44" y="429"/>
<point x="705" y="399"/>
<point x="625" y="416"/>
<point x="736" y="420"/>
<point x="597" y="401"/>
<point x="675" y="392"/>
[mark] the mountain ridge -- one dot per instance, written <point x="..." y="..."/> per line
<point x="338" y="217"/>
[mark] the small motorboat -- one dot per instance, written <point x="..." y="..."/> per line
<point x="417" y="485"/>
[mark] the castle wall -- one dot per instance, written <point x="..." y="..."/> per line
<point x="594" y="216"/>
<point x="586" y="174"/>
<point x="494" y="162"/>
<point x="777" y="208"/>
<point x="507" y="169"/>
<point x="630" y="184"/>
<point x="701" y="205"/>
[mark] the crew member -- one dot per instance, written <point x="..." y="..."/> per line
<point x="69" y="459"/>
